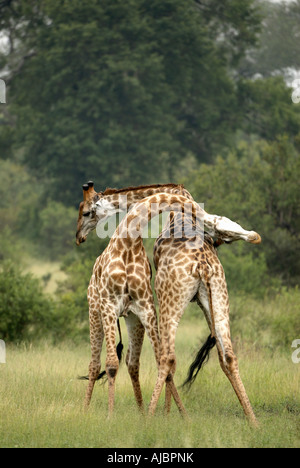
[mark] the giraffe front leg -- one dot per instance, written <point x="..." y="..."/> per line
<point x="136" y="333"/>
<point x="96" y="339"/>
<point x="165" y="376"/>
<point x="168" y="394"/>
<point x="109" y="321"/>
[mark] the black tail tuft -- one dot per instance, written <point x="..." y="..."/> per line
<point x="201" y="358"/>
<point x="120" y="351"/>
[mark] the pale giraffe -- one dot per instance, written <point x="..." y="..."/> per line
<point x="221" y="227"/>
<point x="120" y="286"/>
<point x="183" y="275"/>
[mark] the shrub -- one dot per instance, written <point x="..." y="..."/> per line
<point x="24" y="309"/>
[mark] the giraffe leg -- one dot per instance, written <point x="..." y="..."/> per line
<point x="229" y="365"/>
<point x="167" y="365"/>
<point x="96" y="339"/>
<point x="168" y="395"/>
<point x="136" y="334"/>
<point x="149" y="321"/>
<point x="171" y="312"/>
<point x="213" y="298"/>
<point x="112" y="362"/>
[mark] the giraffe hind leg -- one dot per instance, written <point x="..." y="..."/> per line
<point x="136" y="333"/>
<point x="229" y="365"/>
<point x="217" y="315"/>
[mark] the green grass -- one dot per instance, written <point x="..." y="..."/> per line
<point x="41" y="401"/>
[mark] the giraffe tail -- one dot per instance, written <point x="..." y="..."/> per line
<point x="201" y="359"/>
<point x="119" y="350"/>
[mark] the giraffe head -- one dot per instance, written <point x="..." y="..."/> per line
<point x="228" y="231"/>
<point x="92" y="209"/>
<point x="86" y="218"/>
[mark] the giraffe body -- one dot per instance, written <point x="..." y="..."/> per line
<point x="182" y="276"/>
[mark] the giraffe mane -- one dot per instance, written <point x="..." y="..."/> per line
<point x="111" y="191"/>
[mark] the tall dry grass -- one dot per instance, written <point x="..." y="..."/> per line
<point x="41" y="400"/>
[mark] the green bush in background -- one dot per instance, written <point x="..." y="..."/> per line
<point x="25" y="311"/>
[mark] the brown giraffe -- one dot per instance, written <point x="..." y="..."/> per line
<point x="221" y="227"/>
<point x="111" y="200"/>
<point x="120" y="286"/>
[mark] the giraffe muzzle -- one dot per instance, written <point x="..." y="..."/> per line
<point x="80" y="240"/>
<point x="254" y="238"/>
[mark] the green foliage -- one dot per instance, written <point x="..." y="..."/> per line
<point x="57" y="229"/>
<point x="278" y="46"/>
<point x="10" y="246"/>
<point x="285" y="319"/>
<point x="15" y="194"/>
<point x="24" y="309"/>
<point x="270" y="323"/>
<point x="258" y="186"/>
<point x="244" y="271"/>
<point x="146" y="83"/>
<point x="266" y="108"/>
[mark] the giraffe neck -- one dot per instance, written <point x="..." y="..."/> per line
<point x="216" y="226"/>
<point x="125" y="198"/>
<point x="133" y="224"/>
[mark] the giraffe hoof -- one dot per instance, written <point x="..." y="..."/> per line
<point x="254" y="238"/>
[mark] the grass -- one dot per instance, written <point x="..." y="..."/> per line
<point x="49" y="272"/>
<point x="41" y="401"/>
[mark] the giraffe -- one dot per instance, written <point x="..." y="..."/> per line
<point x="183" y="275"/>
<point x="98" y="207"/>
<point x="225" y="230"/>
<point x="120" y="286"/>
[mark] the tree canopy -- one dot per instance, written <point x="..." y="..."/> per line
<point x="123" y="90"/>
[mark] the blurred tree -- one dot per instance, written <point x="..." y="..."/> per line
<point x="266" y="108"/>
<point x="278" y="42"/>
<point x="57" y="229"/>
<point x="258" y="186"/>
<point x="123" y="90"/>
